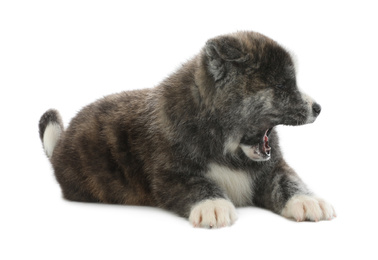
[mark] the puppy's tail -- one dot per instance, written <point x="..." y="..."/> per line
<point x="50" y="130"/>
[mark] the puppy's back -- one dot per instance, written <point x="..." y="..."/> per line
<point x="98" y="158"/>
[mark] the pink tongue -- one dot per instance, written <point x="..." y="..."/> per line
<point x="266" y="147"/>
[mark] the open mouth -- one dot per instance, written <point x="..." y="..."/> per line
<point x="260" y="151"/>
<point x="265" y="146"/>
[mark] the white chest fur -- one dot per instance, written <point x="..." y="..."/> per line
<point x="236" y="184"/>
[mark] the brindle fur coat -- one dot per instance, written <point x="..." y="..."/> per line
<point x="199" y="144"/>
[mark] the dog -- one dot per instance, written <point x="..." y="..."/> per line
<point x="199" y="144"/>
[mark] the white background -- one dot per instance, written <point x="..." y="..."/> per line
<point x="66" y="54"/>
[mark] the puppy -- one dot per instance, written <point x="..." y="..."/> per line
<point x="200" y="144"/>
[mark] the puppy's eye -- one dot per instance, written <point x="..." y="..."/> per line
<point x="280" y="86"/>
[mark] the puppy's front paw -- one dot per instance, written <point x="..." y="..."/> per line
<point x="304" y="207"/>
<point x="213" y="214"/>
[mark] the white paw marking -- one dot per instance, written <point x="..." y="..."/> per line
<point x="213" y="214"/>
<point x="304" y="207"/>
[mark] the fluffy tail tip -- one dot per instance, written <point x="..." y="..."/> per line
<point x="50" y="129"/>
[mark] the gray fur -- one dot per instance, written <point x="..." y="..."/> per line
<point x="155" y="146"/>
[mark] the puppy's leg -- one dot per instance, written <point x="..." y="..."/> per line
<point x="283" y="192"/>
<point x="196" y="198"/>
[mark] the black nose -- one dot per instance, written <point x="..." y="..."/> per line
<point x="316" y="108"/>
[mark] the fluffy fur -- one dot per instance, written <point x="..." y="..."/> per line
<point x="197" y="144"/>
<point x="50" y="129"/>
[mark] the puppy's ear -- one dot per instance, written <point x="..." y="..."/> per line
<point x="222" y="50"/>
<point x="226" y="48"/>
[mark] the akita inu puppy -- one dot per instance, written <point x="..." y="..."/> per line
<point x="198" y="144"/>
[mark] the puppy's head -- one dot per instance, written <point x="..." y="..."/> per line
<point x="255" y="89"/>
